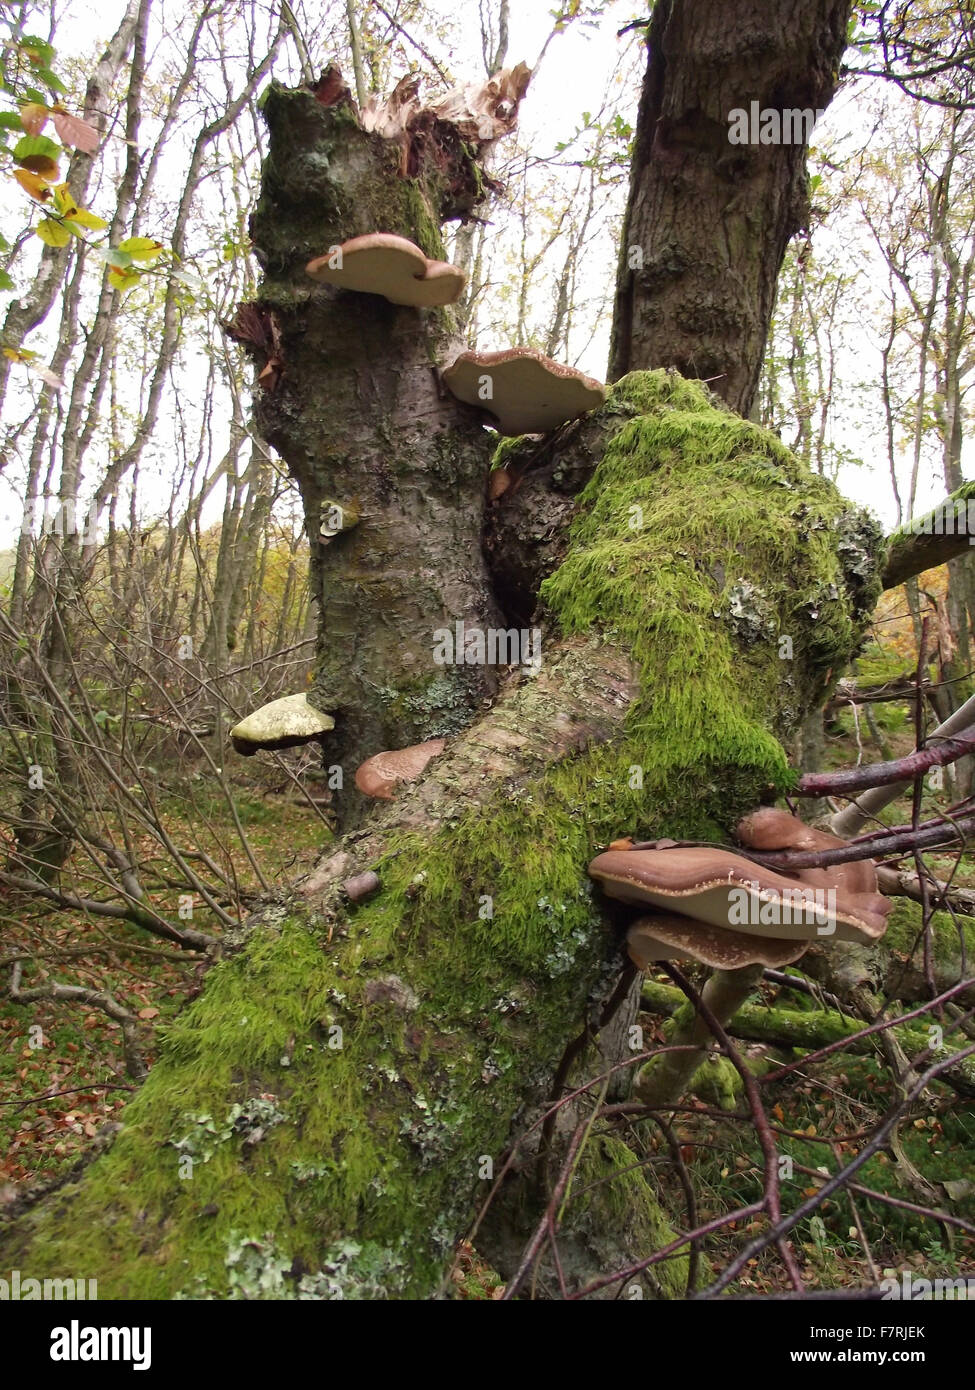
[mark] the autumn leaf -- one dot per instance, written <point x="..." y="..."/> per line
<point x="33" y="184"/>
<point x="74" y="131"/>
<point x="141" y="248"/>
<point x="33" y="117"/>
<point x="29" y="359"/>
<point x="69" y="209"/>
<point x="52" y="233"/>
<point x="84" y="218"/>
<point x="148" y="1013"/>
<point x="123" y="277"/>
<point x="40" y="155"/>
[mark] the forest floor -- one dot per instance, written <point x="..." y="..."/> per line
<point x="57" y="1094"/>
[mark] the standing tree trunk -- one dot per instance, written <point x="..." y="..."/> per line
<point x="708" y="221"/>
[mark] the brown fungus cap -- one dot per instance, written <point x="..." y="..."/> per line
<point x="378" y="775"/>
<point x="530" y="394"/>
<point x="391" y="266"/>
<point x="725" y="890"/>
<point x="770" y="828"/>
<point x="669" y="936"/>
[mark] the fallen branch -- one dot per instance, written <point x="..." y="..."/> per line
<point x="850" y="780"/>
<point x="778" y="1027"/>
<point x="95" y="999"/>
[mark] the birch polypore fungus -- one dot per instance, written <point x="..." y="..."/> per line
<point x="391" y="266"/>
<point x="284" y="723"/>
<point x="729" y="891"/>
<point x="526" y="392"/>
<point x="856" y="883"/>
<point x="668" y="936"/>
<point x="733" y="899"/>
<point x="378" y="775"/>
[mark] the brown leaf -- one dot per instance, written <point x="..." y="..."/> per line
<point x="72" y="130"/>
<point x="148" y="1013"/>
<point x="33" y="117"/>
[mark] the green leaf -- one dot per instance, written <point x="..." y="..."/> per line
<point x="53" y="233"/>
<point x="10" y="120"/>
<point x="141" y="248"/>
<point x="115" y="256"/>
<point x="32" y="44"/>
<point x="51" y="80"/>
<point x="34" y="147"/>
<point x="5" y="281"/>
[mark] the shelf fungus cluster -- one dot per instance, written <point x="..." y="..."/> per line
<point x="526" y="392"/>
<point x="390" y="266"/>
<point x="736" y="915"/>
<point x="727" y="911"/>
<point x="522" y="391"/>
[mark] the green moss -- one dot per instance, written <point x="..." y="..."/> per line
<point x="904" y="934"/>
<point x="738" y="582"/>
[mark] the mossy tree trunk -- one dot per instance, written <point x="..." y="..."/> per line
<point x="709" y="220"/>
<point x="356" y="408"/>
<point x="325" y="1119"/>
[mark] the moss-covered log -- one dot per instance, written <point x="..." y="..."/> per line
<point x="322" y="1120"/>
<point x="783" y="1027"/>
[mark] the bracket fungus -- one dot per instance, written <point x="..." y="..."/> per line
<point x="390" y="266"/>
<point x="284" y="723"/>
<point x="527" y="392"/>
<point x="378" y="775"/>
<point x="736" y="916"/>
<point x="772" y="829"/>
<point x="668" y="936"/>
<point x="726" y="890"/>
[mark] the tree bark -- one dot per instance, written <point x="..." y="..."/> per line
<point x="708" y="221"/>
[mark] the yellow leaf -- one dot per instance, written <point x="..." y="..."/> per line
<point x="18" y="354"/>
<point x="30" y="183"/>
<point x="84" y="218"/>
<point x="141" y="248"/>
<point x="63" y="200"/>
<point x="33" y="117"/>
<point x="52" y="233"/>
<point x="123" y="277"/>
